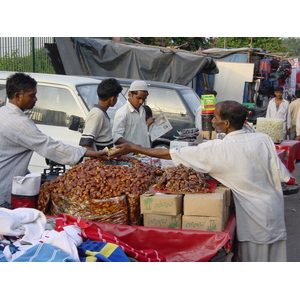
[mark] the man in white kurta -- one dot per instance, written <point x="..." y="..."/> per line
<point x="130" y="120"/>
<point x="248" y="164"/>
<point x="279" y="108"/>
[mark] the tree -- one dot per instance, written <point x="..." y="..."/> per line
<point x="293" y="45"/>
<point x="272" y="44"/>
<point x="183" y="43"/>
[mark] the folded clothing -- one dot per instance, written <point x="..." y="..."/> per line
<point x="29" y="223"/>
<point x="96" y="251"/>
<point x="41" y="253"/>
<point x="92" y="232"/>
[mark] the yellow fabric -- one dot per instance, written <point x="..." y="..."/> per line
<point x="106" y="251"/>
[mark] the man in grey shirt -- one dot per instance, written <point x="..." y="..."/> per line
<point x="20" y="137"/>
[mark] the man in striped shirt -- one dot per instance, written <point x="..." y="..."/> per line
<point x="97" y="133"/>
<point x="20" y="137"/>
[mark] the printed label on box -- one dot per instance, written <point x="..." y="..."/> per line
<point x="202" y="223"/>
<point x="161" y="204"/>
<point x="162" y="221"/>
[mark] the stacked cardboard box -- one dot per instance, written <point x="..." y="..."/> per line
<point x="207" y="212"/>
<point x="209" y="135"/>
<point x="161" y="210"/>
<point x="199" y="211"/>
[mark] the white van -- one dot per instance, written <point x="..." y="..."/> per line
<point x="62" y="100"/>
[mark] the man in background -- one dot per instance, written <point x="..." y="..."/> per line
<point x="294" y="108"/>
<point x="279" y="108"/>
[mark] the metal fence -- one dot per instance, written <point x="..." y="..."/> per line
<point x="25" y="54"/>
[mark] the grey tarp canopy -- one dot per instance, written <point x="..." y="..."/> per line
<point x="101" y="57"/>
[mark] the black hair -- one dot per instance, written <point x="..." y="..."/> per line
<point x="19" y="83"/>
<point x="148" y="110"/>
<point x="278" y="88"/>
<point x="107" y="88"/>
<point x="136" y="92"/>
<point x="234" y="112"/>
<point x="297" y="93"/>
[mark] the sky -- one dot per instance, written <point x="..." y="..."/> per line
<point x="155" y="18"/>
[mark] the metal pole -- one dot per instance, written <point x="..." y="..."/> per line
<point x="225" y="42"/>
<point x="32" y="54"/>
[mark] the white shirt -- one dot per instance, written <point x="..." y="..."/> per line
<point x="283" y="112"/>
<point x="131" y="125"/>
<point x="298" y="124"/>
<point x="198" y="118"/>
<point x="248" y="164"/>
<point x="294" y="108"/>
<point x="19" y="137"/>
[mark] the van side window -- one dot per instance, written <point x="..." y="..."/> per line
<point x="2" y="94"/>
<point x="165" y="100"/>
<point x="54" y="106"/>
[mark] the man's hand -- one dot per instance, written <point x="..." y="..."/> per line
<point x="102" y="154"/>
<point x="150" y="121"/>
<point x="123" y="149"/>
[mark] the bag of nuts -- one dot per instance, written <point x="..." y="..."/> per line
<point x="112" y="210"/>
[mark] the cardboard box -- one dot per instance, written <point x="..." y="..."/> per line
<point x="206" y="134"/>
<point x="229" y="204"/>
<point x="202" y="223"/>
<point x="215" y="204"/>
<point x="228" y="194"/>
<point x="209" y="135"/>
<point x="158" y="203"/>
<point x="204" y="204"/>
<point x="162" y="221"/>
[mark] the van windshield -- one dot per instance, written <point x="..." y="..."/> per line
<point x="192" y="99"/>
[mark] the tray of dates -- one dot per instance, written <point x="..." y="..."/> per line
<point x="183" y="180"/>
<point x="100" y="191"/>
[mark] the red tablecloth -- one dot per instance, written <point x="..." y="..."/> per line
<point x="292" y="149"/>
<point x="174" y="244"/>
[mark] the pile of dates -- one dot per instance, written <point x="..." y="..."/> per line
<point x="100" y="191"/>
<point x="182" y="179"/>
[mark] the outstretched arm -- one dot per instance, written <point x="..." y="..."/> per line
<point x="131" y="148"/>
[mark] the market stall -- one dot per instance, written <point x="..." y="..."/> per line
<point x="292" y="153"/>
<point x="173" y="244"/>
<point x="148" y="213"/>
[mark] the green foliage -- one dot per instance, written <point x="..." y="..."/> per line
<point x="183" y="43"/>
<point x="272" y="44"/>
<point x="16" y="62"/>
<point x="293" y="45"/>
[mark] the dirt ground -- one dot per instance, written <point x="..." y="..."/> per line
<point x="292" y="220"/>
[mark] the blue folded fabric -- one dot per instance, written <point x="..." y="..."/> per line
<point x="96" y="251"/>
<point x="44" y="253"/>
<point x="2" y="257"/>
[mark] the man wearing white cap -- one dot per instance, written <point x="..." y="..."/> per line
<point x="130" y="120"/>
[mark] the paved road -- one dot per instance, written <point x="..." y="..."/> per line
<point x="292" y="220"/>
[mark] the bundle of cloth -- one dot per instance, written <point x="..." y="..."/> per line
<point x="25" y="236"/>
